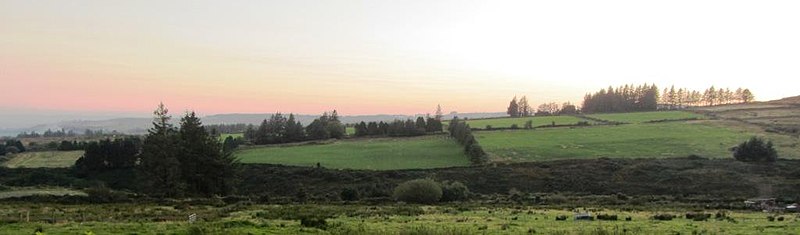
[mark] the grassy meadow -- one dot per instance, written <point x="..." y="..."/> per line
<point x="537" y="121"/>
<point x="49" y="159"/>
<point x="373" y="154"/>
<point x="641" y="117"/>
<point x="358" y="219"/>
<point x="672" y="139"/>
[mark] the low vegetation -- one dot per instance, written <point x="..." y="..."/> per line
<point x="657" y="140"/>
<point x="48" y="159"/>
<point x="643" y="117"/>
<point x="373" y="154"/>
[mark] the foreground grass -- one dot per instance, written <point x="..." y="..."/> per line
<point x="672" y="139"/>
<point x="641" y="117"/>
<point x="371" y="153"/>
<point x="49" y="159"/>
<point x="274" y="219"/>
<point x="24" y="192"/>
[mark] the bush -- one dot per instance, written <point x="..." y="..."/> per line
<point x="312" y="222"/>
<point x="514" y="126"/>
<point x="349" y="194"/>
<point x="663" y="217"/>
<point x="755" y="150"/>
<point x="424" y="191"/>
<point x="529" y="124"/>
<point x="454" y="191"/>
<point x="606" y="217"/>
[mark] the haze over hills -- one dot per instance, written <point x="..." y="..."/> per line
<point x="140" y="125"/>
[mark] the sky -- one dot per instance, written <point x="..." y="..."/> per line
<point x="107" y="58"/>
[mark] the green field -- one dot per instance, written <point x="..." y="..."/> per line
<point x="44" y="159"/>
<point x="673" y="139"/>
<point x="373" y="154"/>
<point x="236" y="135"/>
<point x="537" y="121"/>
<point x="646" y="116"/>
<point x="360" y="219"/>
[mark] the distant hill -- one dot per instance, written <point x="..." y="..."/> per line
<point x="140" y="125"/>
<point x="787" y="100"/>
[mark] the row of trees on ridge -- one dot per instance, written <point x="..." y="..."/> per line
<point x="408" y="127"/>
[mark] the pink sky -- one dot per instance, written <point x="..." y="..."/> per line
<point x="381" y="57"/>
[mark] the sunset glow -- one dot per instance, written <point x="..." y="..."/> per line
<point x="370" y="57"/>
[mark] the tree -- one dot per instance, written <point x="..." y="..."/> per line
<point x="568" y="109"/>
<point x="420" y="124"/>
<point x="159" y="167"/>
<point x="317" y="131"/>
<point x="206" y="169"/>
<point x="372" y="129"/>
<point x="747" y="96"/>
<point x="438" y="113"/>
<point x="361" y="129"/>
<point x="107" y="155"/>
<point x="755" y="150"/>
<point x="294" y="130"/>
<point x="524" y="107"/>
<point x="513" y="108"/>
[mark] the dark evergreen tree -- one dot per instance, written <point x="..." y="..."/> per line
<point x="513" y="108"/>
<point x="206" y="169"/>
<point x="159" y="168"/>
<point x="294" y="130"/>
<point x="373" y="129"/>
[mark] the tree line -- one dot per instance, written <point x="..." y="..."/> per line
<point x="227" y="128"/>
<point x="460" y="130"/>
<point x="679" y="98"/>
<point x="11" y="147"/>
<point x="170" y="161"/>
<point x="408" y="127"/>
<point x="279" y="128"/>
<point x="65" y="133"/>
<point x="522" y="108"/>
<point x="627" y="98"/>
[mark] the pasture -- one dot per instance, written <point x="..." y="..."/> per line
<point x="369" y="153"/>
<point x="671" y="139"/>
<point x="640" y="117"/>
<point x="537" y="121"/>
<point x="48" y="159"/>
<point x="360" y="219"/>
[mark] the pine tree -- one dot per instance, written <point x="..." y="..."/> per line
<point x="438" y="113"/>
<point x="205" y="169"/>
<point x="159" y="167"/>
<point x="513" y="108"/>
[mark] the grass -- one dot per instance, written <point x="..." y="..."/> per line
<point x="134" y="219"/>
<point x="646" y="116"/>
<point x="22" y="192"/>
<point x="222" y="137"/>
<point x="49" y="159"/>
<point x="672" y="139"/>
<point x="371" y="153"/>
<point x="537" y="121"/>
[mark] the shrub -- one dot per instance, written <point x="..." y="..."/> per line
<point x="12" y="149"/>
<point x="424" y="191"/>
<point x="514" y="126"/>
<point x="488" y="127"/>
<point x="312" y="222"/>
<point x="529" y="124"/>
<point x="606" y="217"/>
<point x="349" y="194"/>
<point x="663" y="217"/>
<point x="454" y="191"/>
<point x="755" y="150"/>
<point x="561" y="217"/>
